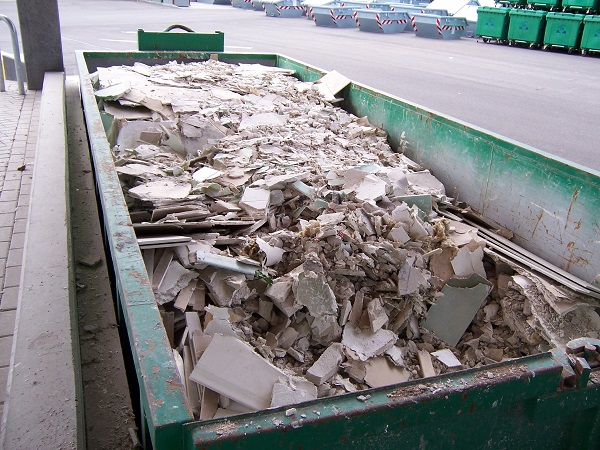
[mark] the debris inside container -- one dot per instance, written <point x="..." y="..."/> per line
<point x="295" y="255"/>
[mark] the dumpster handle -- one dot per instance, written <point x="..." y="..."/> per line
<point x="183" y="27"/>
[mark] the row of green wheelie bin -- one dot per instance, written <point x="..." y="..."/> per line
<point x="539" y="29"/>
<point x="578" y="6"/>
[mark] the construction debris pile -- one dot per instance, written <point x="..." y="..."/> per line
<point x="294" y="255"/>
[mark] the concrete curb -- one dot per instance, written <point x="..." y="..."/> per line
<point x="43" y="404"/>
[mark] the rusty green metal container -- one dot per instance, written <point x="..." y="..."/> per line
<point x="534" y="402"/>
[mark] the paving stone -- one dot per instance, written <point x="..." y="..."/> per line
<point x="11" y="185"/>
<point x="17" y="241"/>
<point x="8" y="207"/>
<point x="20" y="225"/>
<point x="15" y="255"/>
<point x="7" y="323"/>
<point x="12" y="276"/>
<point x="9" y="196"/>
<point x="3" y="380"/>
<point x="7" y="219"/>
<point x="5" y="234"/>
<point x="9" y="298"/>
<point x="5" y="348"/>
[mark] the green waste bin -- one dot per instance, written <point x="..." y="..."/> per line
<point x="549" y="5"/>
<point x="590" y="39"/>
<point x="586" y="6"/>
<point x="526" y="27"/>
<point x="492" y="23"/>
<point x="563" y="30"/>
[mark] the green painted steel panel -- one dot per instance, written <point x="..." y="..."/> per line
<point x="551" y="204"/>
<point x="185" y="41"/>
<point x="590" y="39"/>
<point x="563" y="29"/>
<point x="527" y="26"/>
<point x="492" y="22"/>
<point x="505" y="406"/>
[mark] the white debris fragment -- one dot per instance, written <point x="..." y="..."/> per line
<point x="447" y="358"/>
<point x="327" y="365"/>
<point x="161" y="190"/>
<point x="366" y="343"/>
<point x="251" y="387"/>
<point x="255" y="202"/>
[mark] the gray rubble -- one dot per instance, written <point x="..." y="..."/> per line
<point x="295" y="254"/>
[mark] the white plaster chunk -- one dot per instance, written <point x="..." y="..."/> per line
<point x="313" y="292"/>
<point x="273" y="254"/>
<point x="366" y="343"/>
<point x="261" y="120"/>
<point x="281" y="181"/>
<point x="395" y="355"/>
<point x="281" y="294"/>
<point x="331" y="218"/>
<point x="447" y="358"/>
<point x="221" y="206"/>
<point x="410" y="279"/>
<point x="380" y="372"/>
<point x="113" y="92"/>
<point x="219" y="284"/>
<point x="325" y="329"/>
<point x="255" y="201"/>
<point x="334" y="81"/>
<point x="185" y="296"/>
<point x="231" y="368"/>
<point x="426" y="364"/>
<point x="137" y="170"/>
<point x="398" y="234"/>
<point x="287" y="338"/>
<point x="345" y="312"/>
<point x="205" y="173"/>
<point x="219" y="322"/>
<point x="176" y="278"/>
<point x="377" y="315"/>
<point x="467" y="262"/>
<point x="425" y="183"/>
<point x="161" y="190"/>
<point x="327" y="365"/>
<point x="370" y="188"/>
<point x="292" y="392"/>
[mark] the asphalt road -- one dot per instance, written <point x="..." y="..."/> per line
<point x="547" y="99"/>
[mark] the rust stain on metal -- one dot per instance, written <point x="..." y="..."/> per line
<point x="537" y="223"/>
<point x="573" y="200"/>
<point x="155" y="369"/>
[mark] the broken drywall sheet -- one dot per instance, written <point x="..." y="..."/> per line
<point x="451" y="315"/>
<point x="250" y="384"/>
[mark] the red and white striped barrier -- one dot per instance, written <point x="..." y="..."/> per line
<point x="413" y="23"/>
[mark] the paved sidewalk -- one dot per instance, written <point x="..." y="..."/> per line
<point x="19" y="117"/>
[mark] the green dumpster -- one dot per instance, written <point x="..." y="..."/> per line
<point x="586" y="6"/>
<point x="590" y="39"/>
<point x="526" y="27"/>
<point x="563" y="30"/>
<point x="549" y="400"/>
<point x="492" y="23"/>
